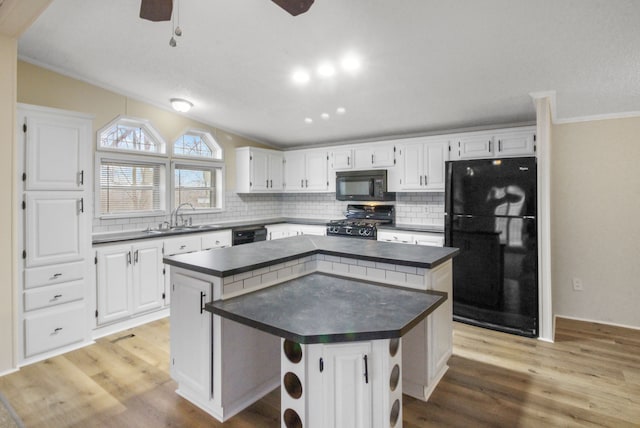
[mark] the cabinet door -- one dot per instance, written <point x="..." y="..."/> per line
<point x="363" y="157"/>
<point x="316" y="166"/>
<point x="475" y="147"/>
<point x="383" y="156"/>
<point x="56" y="151"/>
<point x="114" y="283"/>
<point x="342" y="159"/>
<point x="411" y="163"/>
<point x="259" y="170"/>
<point x="148" y="281"/>
<point x="55" y="227"/>
<point x="517" y="143"/>
<point x="346" y="390"/>
<point x="294" y="171"/>
<point x="435" y="154"/>
<point x="276" y="171"/>
<point x="191" y="334"/>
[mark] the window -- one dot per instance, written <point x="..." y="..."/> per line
<point x="136" y="177"/>
<point x="133" y="135"/>
<point x="128" y="187"/>
<point x="197" y="144"/>
<point x="197" y="185"/>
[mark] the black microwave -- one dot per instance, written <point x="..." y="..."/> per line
<point x="370" y="185"/>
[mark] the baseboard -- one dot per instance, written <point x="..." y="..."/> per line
<point x="6" y="372"/>
<point x="612" y="324"/>
<point x="129" y="323"/>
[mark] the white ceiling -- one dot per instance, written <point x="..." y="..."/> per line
<point x="427" y="65"/>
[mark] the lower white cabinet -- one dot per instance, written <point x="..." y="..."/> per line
<point x="418" y="238"/>
<point x="279" y="231"/>
<point x="218" y="239"/>
<point x="129" y="280"/>
<point x="191" y="335"/>
<point x="346" y="387"/>
<point x="48" y="330"/>
<point x="285" y="230"/>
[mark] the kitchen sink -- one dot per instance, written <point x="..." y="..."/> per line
<point x="182" y="228"/>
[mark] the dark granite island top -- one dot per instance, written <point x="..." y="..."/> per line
<point x="233" y="260"/>
<point x="321" y="308"/>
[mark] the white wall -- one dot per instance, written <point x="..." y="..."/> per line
<point x="596" y="220"/>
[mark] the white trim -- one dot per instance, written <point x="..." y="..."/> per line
<point x="216" y="166"/>
<point x="612" y="324"/>
<point x="606" y="116"/>
<point x="551" y="95"/>
<point x="56" y="111"/>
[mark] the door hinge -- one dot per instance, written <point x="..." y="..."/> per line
<point x="321" y="365"/>
<point x="96" y="313"/>
<point x="95" y="260"/>
<point x="164" y="296"/>
<point x="24" y="205"/>
<point x="250" y="158"/>
<point x="535" y="148"/>
<point x="534" y="138"/>
<point x="24" y="254"/>
<point x="164" y="271"/>
<point x="24" y="176"/>
<point x="24" y="127"/>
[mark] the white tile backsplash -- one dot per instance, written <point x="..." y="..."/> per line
<point x="411" y="208"/>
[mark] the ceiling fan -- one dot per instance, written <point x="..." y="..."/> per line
<point x="160" y="10"/>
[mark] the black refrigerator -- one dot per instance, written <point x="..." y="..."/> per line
<point x="490" y="215"/>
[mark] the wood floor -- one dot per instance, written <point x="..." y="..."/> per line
<point x="589" y="377"/>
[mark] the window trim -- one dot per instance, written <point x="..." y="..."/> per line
<point x="217" y="167"/>
<point x="117" y="156"/>
<point x="214" y="142"/>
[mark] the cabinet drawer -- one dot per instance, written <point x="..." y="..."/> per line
<point x="53" y="295"/>
<point x="52" y="329"/>
<point x="55" y="274"/>
<point x="399" y="237"/>
<point x="216" y="239"/>
<point x="434" y="239"/>
<point x="181" y="245"/>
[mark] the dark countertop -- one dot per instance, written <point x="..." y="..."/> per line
<point x="242" y="258"/>
<point x="109" y="238"/>
<point x="321" y="308"/>
<point x="433" y="228"/>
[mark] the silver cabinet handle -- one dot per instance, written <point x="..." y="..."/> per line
<point x="267" y="183"/>
<point x="135" y="257"/>
<point x="371" y="159"/>
<point x="271" y="183"/>
<point x="489" y="145"/>
<point x="129" y="257"/>
<point x="202" y="296"/>
<point x="421" y="180"/>
<point x="301" y="182"/>
<point x="57" y="330"/>
<point x="425" y="180"/>
<point x="82" y="177"/>
<point x="55" y="276"/>
<point x="499" y="145"/>
<point x="57" y="296"/>
<point x="348" y="160"/>
<point x="182" y="247"/>
<point x="81" y="205"/>
<point x="306" y="182"/>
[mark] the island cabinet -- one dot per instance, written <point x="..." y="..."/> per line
<point x="308" y="313"/>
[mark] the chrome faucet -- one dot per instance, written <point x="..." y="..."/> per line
<point x="175" y="213"/>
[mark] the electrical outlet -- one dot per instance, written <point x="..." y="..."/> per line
<point x="577" y="284"/>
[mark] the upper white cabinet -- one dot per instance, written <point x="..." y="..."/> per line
<point x="375" y="155"/>
<point x="56" y="148"/>
<point x="421" y="165"/>
<point x="306" y="171"/>
<point x="342" y="158"/>
<point x="494" y="143"/>
<point x="259" y="170"/>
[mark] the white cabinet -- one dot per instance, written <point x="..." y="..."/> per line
<point x="54" y="149"/>
<point x="405" y="237"/>
<point x="218" y="239"/>
<point x="259" y="170"/>
<point x="285" y="230"/>
<point x="421" y="165"/>
<point x="191" y="335"/>
<point x="306" y="171"/>
<point x="346" y="385"/>
<point x="374" y="155"/>
<point x="307" y="229"/>
<point x="495" y="143"/>
<point x="342" y="159"/>
<point x="55" y="227"/>
<point x="130" y="280"/>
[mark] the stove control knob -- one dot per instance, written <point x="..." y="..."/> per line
<point x="348" y="230"/>
<point x="365" y="232"/>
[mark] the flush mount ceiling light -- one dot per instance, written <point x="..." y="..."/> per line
<point x="350" y="63"/>
<point x="341" y="110"/>
<point x="181" y="105"/>
<point x="308" y="120"/>
<point x="300" y="77"/>
<point x="326" y="70"/>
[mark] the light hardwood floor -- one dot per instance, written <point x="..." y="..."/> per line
<point x="589" y="377"/>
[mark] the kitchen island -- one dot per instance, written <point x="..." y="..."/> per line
<point x="225" y="363"/>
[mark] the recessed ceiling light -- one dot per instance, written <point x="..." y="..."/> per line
<point x="301" y="77"/>
<point x="350" y="63"/>
<point x="326" y="70"/>
<point x="325" y="116"/>
<point x="308" y="120"/>
<point x="181" y="105"/>
<point x="341" y="110"/>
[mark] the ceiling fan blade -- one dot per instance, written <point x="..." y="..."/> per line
<point x="156" y="10"/>
<point x="294" y="7"/>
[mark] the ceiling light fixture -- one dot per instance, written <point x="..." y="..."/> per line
<point x="341" y="110"/>
<point x="350" y="63"/>
<point x="325" y="116"/>
<point x="181" y="105"/>
<point x="308" y="120"/>
<point x="301" y="77"/>
<point x="326" y="70"/>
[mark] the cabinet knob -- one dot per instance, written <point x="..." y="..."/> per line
<point x="57" y="330"/>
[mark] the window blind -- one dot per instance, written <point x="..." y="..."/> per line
<point x="129" y="187"/>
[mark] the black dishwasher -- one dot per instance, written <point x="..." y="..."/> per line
<point x="249" y="234"/>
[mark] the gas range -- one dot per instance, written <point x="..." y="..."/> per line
<point x="362" y="221"/>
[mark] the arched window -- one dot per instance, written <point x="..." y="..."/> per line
<point x="131" y="135"/>
<point x="197" y="144"/>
